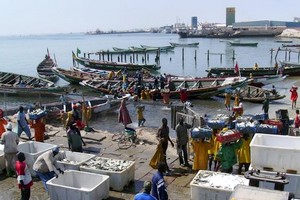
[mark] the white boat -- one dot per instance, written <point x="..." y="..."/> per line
<point x="260" y="81"/>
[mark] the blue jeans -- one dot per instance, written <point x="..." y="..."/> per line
<point x="45" y="177"/>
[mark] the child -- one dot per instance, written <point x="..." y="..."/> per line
<point x="140" y="115"/>
<point x="24" y="177"/>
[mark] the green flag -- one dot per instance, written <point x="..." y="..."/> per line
<point x="78" y="51"/>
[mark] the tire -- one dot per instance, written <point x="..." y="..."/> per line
<point x="125" y="143"/>
<point x="116" y="137"/>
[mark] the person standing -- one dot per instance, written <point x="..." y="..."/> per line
<point x="145" y="195"/>
<point x="159" y="190"/>
<point x="227" y="100"/>
<point x="243" y="153"/>
<point x="124" y="116"/>
<point x="201" y="148"/>
<point x="39" y="129"/>
<point x="23" y="176"/>
<point x="227" y="155"/>
<point x="294" y="96"/>
<point x="3" y="122"/>
<point x="265" y="107"/>
<point x="45" y="168"/>
<point x="164" y="138"/>
<point x="297" y="119"/>
<point x="10" y="140"/>
<point x="182" y="141"/>
<point x="140" y="115"/>
<point x="75" y="140"/>
<point x="23" y="123"/>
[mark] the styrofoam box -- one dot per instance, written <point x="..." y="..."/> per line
<point x="118" y="179"/>
<point x="33" y="150"/>
<point x="293" y="186"/>
<point x="225" y="184"/>
<point x="243" y="192"/>
<point x="75" y="184"/>
<point x="76" y="157"/>
<point x="279" y="152"/>
<point x="2" y="162"/>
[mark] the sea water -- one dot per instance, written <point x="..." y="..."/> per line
<point x="22" y="54"/>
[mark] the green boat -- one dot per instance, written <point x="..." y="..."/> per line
<point x="113" y="66"/>
<point x="195" y="44"/>
<point x="250" y="44"/>
<point x="162" y="48"/>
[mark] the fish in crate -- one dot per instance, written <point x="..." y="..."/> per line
<point x="201" y="133"/>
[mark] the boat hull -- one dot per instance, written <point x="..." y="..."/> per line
<point x="113" y="66"/>
<point x="291" y="71"/>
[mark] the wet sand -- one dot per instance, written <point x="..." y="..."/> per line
<point x="106" y="125"/>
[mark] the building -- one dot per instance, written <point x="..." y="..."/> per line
<point x="265" y="24"/>
<point x="230" y="16"/>
<point x="194" y="22"/>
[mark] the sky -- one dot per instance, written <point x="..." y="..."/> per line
<point x="24" y="17"/>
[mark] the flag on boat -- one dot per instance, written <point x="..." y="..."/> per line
<point x="48" y="53"/>
<point x="78" y="51"/>
<point x="236" y="69"/>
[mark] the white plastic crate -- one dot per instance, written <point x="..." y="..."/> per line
<point x="75" y="184"/>
<point x="243" y="192"/>
<point x="73" y="160"/>
<point x="279" y="152"/>
<point x="214" y="185"/>
<point x="118" y="179"/>
<point x="33" y="150"/>
<point x="2" y="162"/>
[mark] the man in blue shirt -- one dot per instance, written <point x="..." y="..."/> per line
<point x="23" y="123"/>
<point x="159" y="188"/>
<point x="146" y="194"/>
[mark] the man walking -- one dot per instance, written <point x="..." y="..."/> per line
<point x="159" y="190"/>
<point x="10" y="140"/>
<point x="182" y="141"/>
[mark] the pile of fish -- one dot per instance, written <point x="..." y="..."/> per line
<point x="107" y="164"/>
<point x="219" y="180"/>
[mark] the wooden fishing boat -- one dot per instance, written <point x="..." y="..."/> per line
<point x="260" y="81"/>
<point x="44" y="69"/>
<point x="195" y="87"/>
<point x="76" y="76"/>
<point x="21" y="84"/>
<point x="284" y="41"/>
<point x="256" y="94"/>
<point x="250" y="44"/>
<point x="289" y="64"/>
<point x="195" y="44"/>
<point x="261" y="71"/>
<point x="290" y="45"/>
<point x="113" y="66"/>
<point x="161" y="48"/>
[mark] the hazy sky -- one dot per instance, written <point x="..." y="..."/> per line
<point x="22" y="17"/>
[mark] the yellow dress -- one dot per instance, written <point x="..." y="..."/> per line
<point x="243" y="153"/>
<point x="227" y="99"/>
<point x="200" y="154"/>
<point x="236" y="100"/>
